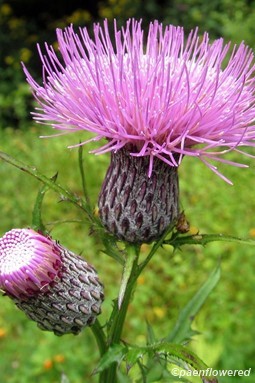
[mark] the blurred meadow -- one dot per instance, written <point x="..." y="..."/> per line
<point x="226" y="321"/>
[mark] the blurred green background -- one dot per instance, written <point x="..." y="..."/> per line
<point x="226" y="322"/>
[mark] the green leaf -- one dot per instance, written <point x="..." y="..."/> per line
<point x="178" y="240"/>
<point x="37" y="223"/>
<point x="150" y="334"/>
<point x="133" y="354"/>
<point x="158" y="373"/>
<point x="183" y="353"/>
<point x="182" y="330"/>
<point x="114" y="354"/>
<point x="83" y="179"/>
<point x="180" y="352"/>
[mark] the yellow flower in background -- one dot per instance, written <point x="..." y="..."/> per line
<point x="15" y="23"/>
<point x="25" y="54"/>
<point x="3" y="332"/>
<point x="141" y="280"/>
<point x="159" y="312"/>
<point x="59" y="358"/>
<point x="9" y="60"/>
<point x="5" y="9"/>
<point x="252" y="232"/>
<point x="80" y="16"/>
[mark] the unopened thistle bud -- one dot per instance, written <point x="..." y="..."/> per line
<point x="53" y="286"/>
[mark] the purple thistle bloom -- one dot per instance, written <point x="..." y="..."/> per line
<point x="155" y="100"/>
<point x="53" y="286"/>
<point x="163" y="95"/>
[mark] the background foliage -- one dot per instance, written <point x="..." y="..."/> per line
<point x="226" y="322"/>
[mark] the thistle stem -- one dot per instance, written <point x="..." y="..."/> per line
<point x="100" y="337"/>
<point x="121" y="312"/>
<point x="83" y="179"/>
<point x="156" y="246"/>
<point x="101" y="343"/>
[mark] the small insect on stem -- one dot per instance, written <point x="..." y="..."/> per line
<point x="182" y="225"/>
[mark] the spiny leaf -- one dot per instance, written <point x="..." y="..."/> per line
<point x="182" y="330"/>
<point x="83" y="179"/>
<point x="178" y="240"/>
<point x="150" y="334"/>
<point x="187" y="356"/>
<point x="132" y="355"/>
<point x="114" y="354"/>
<point x="37" y="223"/>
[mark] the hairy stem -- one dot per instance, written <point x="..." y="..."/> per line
<point x="118" y="321"/>
<point x="101" y="343"/>
<point x="64" y="194"/>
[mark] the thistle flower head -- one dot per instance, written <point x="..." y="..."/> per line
<point x="53" y="286"/>
<point x="159" y="96"/>
<point x="29" y="262"/>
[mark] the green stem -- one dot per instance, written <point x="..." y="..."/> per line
<point x="83" y="180"/>
<point x="111" y="373"/>
<point x="156" y="246"/>
<point x="101" y="342"/>
<point x="131" y="269"/>
<point x="121" y="312"/>
<point x="100" y="337"/>
<point x="64" y="194"/>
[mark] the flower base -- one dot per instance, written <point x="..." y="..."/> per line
<point x="134" y="207"/>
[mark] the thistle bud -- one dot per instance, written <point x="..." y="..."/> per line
<point x="53" y="286"/>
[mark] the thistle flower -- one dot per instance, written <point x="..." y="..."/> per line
<point x="53" y="286"/>
<point x="154" y="100"/>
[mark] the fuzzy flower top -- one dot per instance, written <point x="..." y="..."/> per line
<point x="29" y="262"/>
<point x="159" y="95"/>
